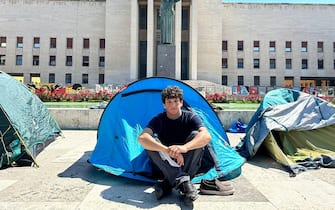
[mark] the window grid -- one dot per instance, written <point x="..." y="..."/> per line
<point x="19" y="42"/>
<point x="240" y="63"/>
<point x="256" y="46"/>
<point x="224" y="63"/>
<point x="256" y="63"/>
<point x="18" y="61"/>
<point x="288" y="46"/>
<point x="53" y="43"/>
<point x="320" y="47"/>
<point x="69" y="43"/>
<point x="272" y="45"/>
<point x="86" y="43"/>
<point x="239" y="45"/>
<point x="304" y="46"/>
<point x="36" y="42"/>
<point x="36" y="60"/>
<point x="224" y="45"/>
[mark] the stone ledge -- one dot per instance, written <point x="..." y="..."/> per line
<point x="88" y="119"/>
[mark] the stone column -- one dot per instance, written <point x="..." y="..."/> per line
<point x="178" y="39"/>
<point x="150" y="38"/>
<point x="193" y="40"/>
<point x="134" y="41"/>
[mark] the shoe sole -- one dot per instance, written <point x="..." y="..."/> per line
<point x="212" y="192"/>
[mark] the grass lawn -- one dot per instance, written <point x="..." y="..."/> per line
<point x="67" y="104"/>
<point x="89" y="104"/>
<point x="237" y="106"/>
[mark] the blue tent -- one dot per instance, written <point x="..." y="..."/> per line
<point x="117" y="150"/>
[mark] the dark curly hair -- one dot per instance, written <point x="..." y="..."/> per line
<point x="172" y="92"/>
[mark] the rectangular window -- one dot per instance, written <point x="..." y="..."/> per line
<point x="53" y="43"/>
<point x="69" y="43"/>
<point x="320" y="64"/>
<point x="224" y="80"/>
<point x="256" y="46"/>
<point x="52" y="60"/>
<point x="3" y="41"/>
<point x="52" y="78"/>
<point x="18" y="60"/>
<point x="19" y="42"/>
<point x="334" y="64"/>
<point x="256" y="63"/>
<point x="240" y="80"/>
<point x="68" y="78"/>
<point x="273" y="81"/>
<point x="36" y="60"/>
<point x="303" y="46"/>
<point x="239" y="45"/>
<point x="288" y="63"/>
<point x="185" y="16"/>
<point x="2" y="60"/>
<point x="101" y="78"/>
<point x="304" y="64"/>
<point x="68" y="61"/>
<point x="102" y="43"/>
<point x="272" y="45"/>
<point x="256" y="81"/>
<point x="102" y="61"/>
<point x="85" y="78"/>
<point x="288" y="46"/>
<point x="334" y="47"/>
<point x="224" y="63"/>
<point x="86" y="43"/>
<point x="143" y="17"/>
<point x="272" y="63"/>
<point x="320" y="47"/>
<point x="36" y="43"/>
<point x="224" y="45"/>
<point x="86" y="61"/>
<point x="240" y="63"/>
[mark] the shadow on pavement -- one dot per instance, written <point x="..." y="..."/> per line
<point x="121" y="190"/>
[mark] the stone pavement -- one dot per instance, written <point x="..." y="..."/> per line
<point x="64" y="180"/>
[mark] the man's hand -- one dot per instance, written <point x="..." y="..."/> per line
<point x="180" y="160"/>
<point x="175" y="150"/>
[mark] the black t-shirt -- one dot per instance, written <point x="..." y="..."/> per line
<point x="175" y="132"/>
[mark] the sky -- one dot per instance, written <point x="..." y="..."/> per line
<point x="285" y="1"/>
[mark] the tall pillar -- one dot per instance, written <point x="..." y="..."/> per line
<point x="134" y="41"/>
<point x="178" y="17"/>
<point x="150" y="38"/>
<point x="193" y="74"/>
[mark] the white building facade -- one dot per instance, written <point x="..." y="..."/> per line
<point x="115" y="42"/>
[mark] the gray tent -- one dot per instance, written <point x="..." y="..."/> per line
<point x="26" y="126"/>
<point x="295" y="128"/>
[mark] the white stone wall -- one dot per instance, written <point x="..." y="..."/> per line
<point x="209" y="40"/>
<point x="214" y="21"/>
<point x="59" y="19"/>
<point x="279" y="23"/>
<point x="118" y="36"/>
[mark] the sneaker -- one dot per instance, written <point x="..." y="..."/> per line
<point x="216" y="187"/>
<point x="162" y="188"/>
<point x="189" y="192"/>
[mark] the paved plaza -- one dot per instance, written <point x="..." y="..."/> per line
<point x="64" y="180"/>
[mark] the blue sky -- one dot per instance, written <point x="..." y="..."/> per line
<point x="285" y="1"/>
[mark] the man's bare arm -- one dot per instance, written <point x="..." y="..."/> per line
<point x="150" y="143"/>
